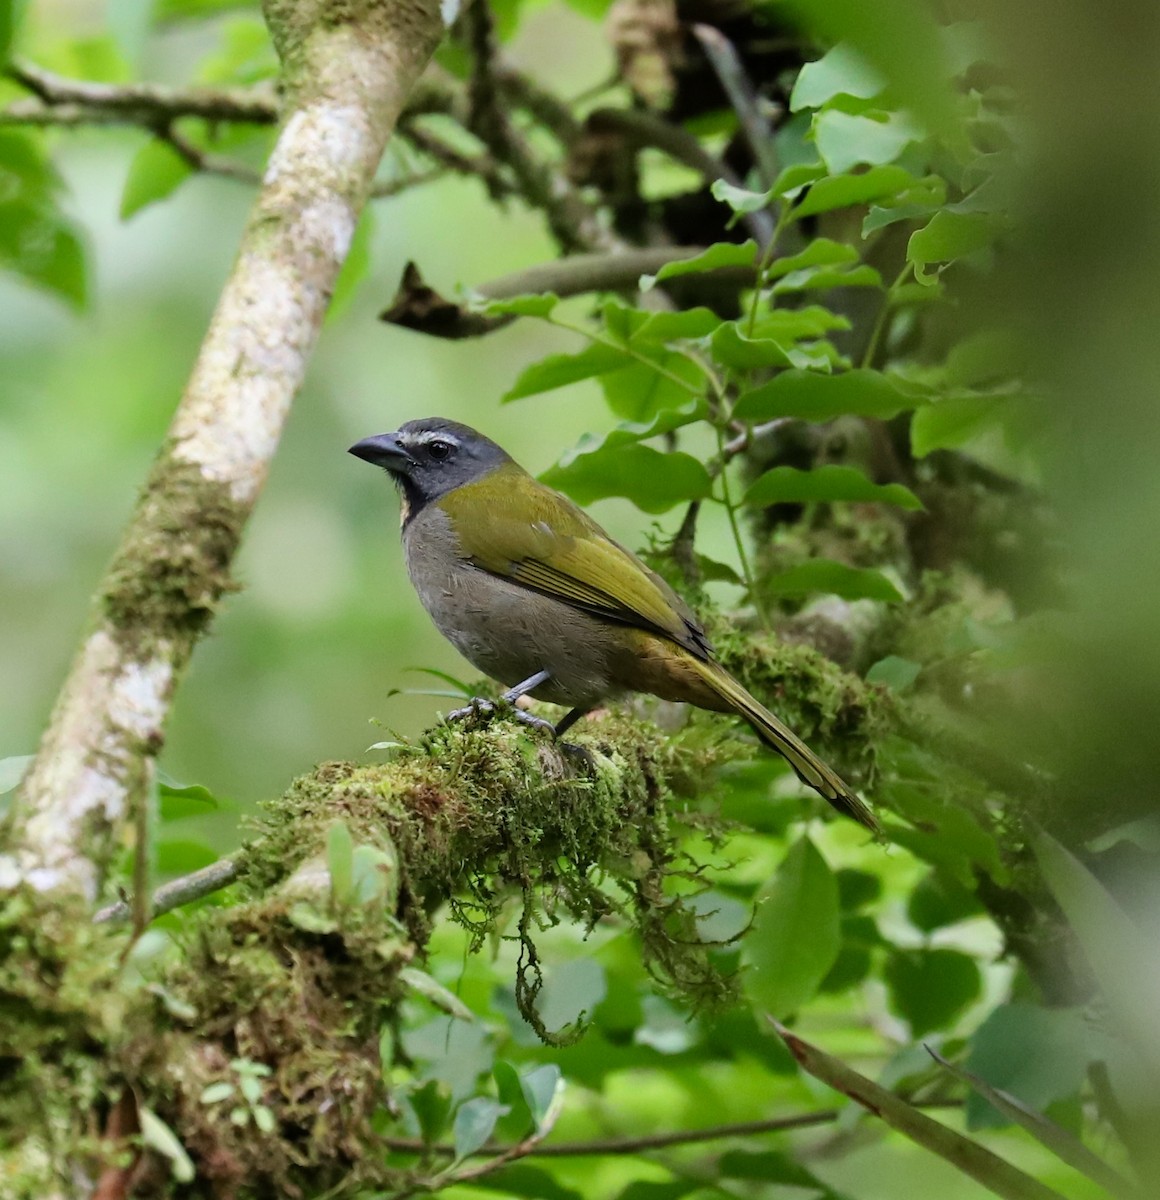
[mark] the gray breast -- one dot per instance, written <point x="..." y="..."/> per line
<point x="504" y="629"/>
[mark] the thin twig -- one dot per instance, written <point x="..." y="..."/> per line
<point x="178" y="891"/>
<point x="572" y="221"/>
<point x="735" y="82"/>
<point x="146" y="103"/>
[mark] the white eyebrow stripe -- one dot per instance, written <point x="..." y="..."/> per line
<point x="432" y="435"/>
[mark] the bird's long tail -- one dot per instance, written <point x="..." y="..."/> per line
<point x="809" y="767"/>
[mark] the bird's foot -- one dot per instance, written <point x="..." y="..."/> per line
<point x="483" y="711"/>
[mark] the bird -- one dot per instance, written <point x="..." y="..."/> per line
<point x="536" y="595"/>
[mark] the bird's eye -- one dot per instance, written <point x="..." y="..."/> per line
<point x="439" y="450"/>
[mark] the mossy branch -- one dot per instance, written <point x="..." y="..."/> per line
<point x="347" y="72"/>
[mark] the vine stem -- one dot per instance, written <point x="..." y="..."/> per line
<point x="738" y="540"/>
<point x="883" y="316"/>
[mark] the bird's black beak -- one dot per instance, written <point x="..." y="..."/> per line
<point x="384" y="450"/>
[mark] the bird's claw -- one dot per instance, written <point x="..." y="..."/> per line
<point x="486" y="710"/>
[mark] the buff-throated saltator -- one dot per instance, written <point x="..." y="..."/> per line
<point x="535" y="594"/>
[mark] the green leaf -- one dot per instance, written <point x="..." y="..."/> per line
<point x="844" y="191"/>
<point x="522" y="1179"/>
<point x="930" y="988"/>
<point x="431" y="1103"/>
<point x="659" y="327"/>
<point x="857" y="888"/>
<point x="841" y="71"/>
<point x="12" y="771"/>
<point x="946" y="237"/>
<point x="160" y="1138"/>
<point x="732" y="348"/>
<point x="788" y="485"/>
<point x="902" y="42"/>
<point x="639" y="391"/>
<point x="374" y="875"/>
<point x="816" y="279"/>
<point x="1037" y="1054"/>
<point x="518" y="1122"/>
<point x="720" y="254"/>
<point x="430" y="988"/>
<point x="939" y="900"/>
<point x="543" y="1089"/>
<point x="846" y="140"/>
<point x="795" y="178"/>
<point x="37" y="242"/>
<point x="740" y="200"/>
<point x="898" y="674"/>
<point x="953" y="421"/>
<point x="215" y="1093"/>
<point x="558" y="370"/>
<point x="180" y="856"/>
<point x="11" y="13"/>
<point x="474" y="1123"/>
<point x="340" y="861"/>
<point x="1114" y="946"/>
<point x="533" y="305"/>
<point x="156" y="171"/>
<point x="789" y="325"/>
<point x="795" y="936"/>
<point x="652" y="480"/>
<point x="180" y="800"/>
<point x="810" y="396"/>
<point x="821" y="252"/>
<point x="833" y="578"/>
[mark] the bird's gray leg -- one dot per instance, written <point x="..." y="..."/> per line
<point x="479" y="707"/>
<point x="568" y="720"/>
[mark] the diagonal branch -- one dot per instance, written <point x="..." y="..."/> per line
<point x="346" y="80"/>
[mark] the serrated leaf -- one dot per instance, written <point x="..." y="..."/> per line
<point x="834" y="578"/>
<point x="809" y="396"/>
<point x="789" y="325"/>
<point x="474" y="1123"/>
<point x="720" y="254"/>
<point x="847" y="190"/>
<point x="652" y="480"/>
<point x="930" y="988"/>
<point x="160" y="1138"/>
<point x="841" y="71"/>
<point x="157" y="170"/>
<point x="795" y="936"/>
<point x="340" y="861"/>
<point x="788" y="485"/>
<point x="559" y="370"/>
<point x="847" y="140"/>
<point x="431" y="989"/>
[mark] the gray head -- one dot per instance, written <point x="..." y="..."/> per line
<point x="430" y="457"/>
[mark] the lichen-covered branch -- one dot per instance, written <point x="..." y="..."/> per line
<point x="346" y="79"/>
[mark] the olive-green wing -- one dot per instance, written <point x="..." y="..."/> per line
<point x="537" y="537"/>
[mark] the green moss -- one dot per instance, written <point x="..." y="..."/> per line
<point x="168" y="578"/>
<point x="841" y="716"/>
